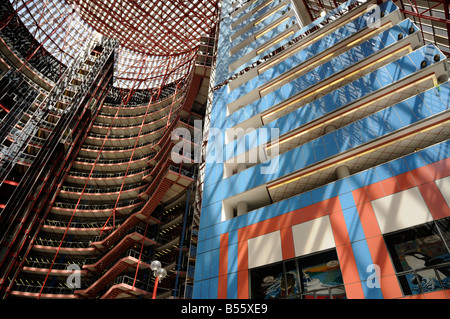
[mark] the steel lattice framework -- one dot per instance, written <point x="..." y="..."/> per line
<point x="158" y="39"/>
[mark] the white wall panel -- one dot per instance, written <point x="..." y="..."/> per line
<point x="313" y="236"/>
<point x="401" y="210"/>
<point x="444" y="187"/>
<point x="265" y="249"/>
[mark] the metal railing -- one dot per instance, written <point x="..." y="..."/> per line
<point x="139" y="284"/>
<point x="87" y="190"/>
<point x="49" y="264"/>
<point x="58" y="243"/>
<point x="128" y="253"/>
<point x="119" y="161"/>
<point x="109" y="175"/>
<point x="98" y="206"/>
<point x="135" y="229"/>
<point x="57" y="223"/>
<point x="46" y="290"/>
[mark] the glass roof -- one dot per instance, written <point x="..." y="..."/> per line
<point x="158" y="39"/>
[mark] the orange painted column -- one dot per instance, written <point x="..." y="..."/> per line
<point x="223" y="267"/>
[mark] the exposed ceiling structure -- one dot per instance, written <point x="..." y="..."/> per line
<point x="150" y="26"/>
<point x="158" y="39"/>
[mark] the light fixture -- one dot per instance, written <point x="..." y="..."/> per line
<point x="158" y="272"/>
<point x="323" y="13"/>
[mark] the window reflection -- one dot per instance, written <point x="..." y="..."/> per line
<point x="320" y="273"/>
<point x="313" y="277"/>
<point x="421" y="257"/>
<point x="291" y="286"/>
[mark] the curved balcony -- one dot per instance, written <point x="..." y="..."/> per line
<point x="118" y="128"/>
<point x="181" y="179"/>
<point x="107" y="179"/>
<point x="131" y="107"/>
<point x="172" y="223"/>
<point x="111" y="165"/>
<point x="34" y="291"/>
<point x="76" y="228"/>
<point x="57" y="269"/>
<point x="96" y="210"/>
<point x="125" y="139"/>
<point x="187" y="159"/>
<point x="128" y="120"/>
<point x="163" y="147"/>
<point x="178" y="122"/>
<point x="169" y="244"/>
<point x="151" y="111"/>
<point x="65" y="247"/>
<point x="125" y="129"/>
<point x="107" y="194"/>
<point x="116" y="152"/>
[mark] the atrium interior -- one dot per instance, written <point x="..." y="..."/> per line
<point x="108" y="111"/>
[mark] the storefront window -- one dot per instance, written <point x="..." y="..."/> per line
<point x="266" y="282"/>
<point x="321" y="276"/>
<point x="292" y="279"/>
<point x="421" y="257"/>
<point x="312" y="277"/>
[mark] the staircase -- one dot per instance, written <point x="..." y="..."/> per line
<point x="137" y="217"/>
<point x="111" y="274"/>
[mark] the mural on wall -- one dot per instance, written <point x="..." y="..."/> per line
<point x="323" y="276"/>
<point x="428" y="252"/>
<point x="276" y="287"/>
<point x="319" y="280"/>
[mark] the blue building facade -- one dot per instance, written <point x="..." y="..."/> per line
<point x="327" y="175"/>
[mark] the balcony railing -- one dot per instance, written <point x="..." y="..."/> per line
<point x="112" y="136"/>
<point x="48" y="264"/>
<point x="135" y="229"/>
<point x="60" y="290"/>
<point x="139" y="284"/>
<point x="63" y="224"/>
<point x="97" y="206"/>
<point x="119" y="148"/>
<point x="75" y="189"/>
<point x="119" y="161"/>
<point x="109" y="175"/>
<point x="65" y="244"/>
<point x="182" y="171"/>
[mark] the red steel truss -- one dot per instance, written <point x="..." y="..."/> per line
<point x="128" y="139"/>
